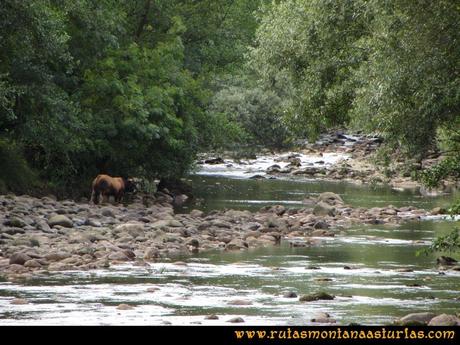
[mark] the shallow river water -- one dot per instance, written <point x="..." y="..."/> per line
<point x="361" y="267"/>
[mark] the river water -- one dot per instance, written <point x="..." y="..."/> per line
<point x="362" y="267"/>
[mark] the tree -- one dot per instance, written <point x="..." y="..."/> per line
<point x="409" y="87"/>
<point x="316" y="45"/>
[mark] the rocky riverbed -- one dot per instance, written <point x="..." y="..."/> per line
<point x="334" y="156"/>
<point x="42" y="235"/>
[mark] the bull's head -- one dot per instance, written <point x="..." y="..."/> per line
<point x="130" y="185"/>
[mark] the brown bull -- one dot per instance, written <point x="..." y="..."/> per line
<point x="107" y="186"/>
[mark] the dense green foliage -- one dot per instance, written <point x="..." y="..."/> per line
<point x="410" y="86"/>
<point x="255" y="109"/>
<point x="16" y="175"/>
<point x="385" y="66"/>
<point x="312" y="46"/>
<point x="138" y="87"/>
<point x="120" y="87"/>
<point x="447" y="243"/>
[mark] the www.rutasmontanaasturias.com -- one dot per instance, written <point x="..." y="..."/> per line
<point x="339" y="333"/>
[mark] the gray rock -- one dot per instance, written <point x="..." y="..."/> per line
<point x="118" y="256"/>
<point x="316" y="296"/>
<point x="330" y="198"/>
<point x="13" y="231"/>
<point x="107" y="212"/>
<point x="196" y="213"/>
<point x="15" y="268"/>
<point x="15" y="222"/>
<point x="273" y="169"/>
<point x="321" y="225"/>
<point x="165" y="223"/>
<point x="415" y="319"/>
<point x="323" y="209"/>
<point x="279" y="210"/>
<point x="34" y="263"/>
<point x="220" y="223"/>
<point x="312" y="267"/>
<point x="135" y="229"/>
<point x="43" y="226"/>
<point x="60" y="220"/>
<point x="58" y="266"/>
<point x="57" y="256"/>
<point x="444" y="320"/>
<point x="19" y="259"/>
<point x="236" y="244"/>
<point x="322" y="317"/>
<point x="211" y="317"/>
<point x="322" y="233"/>
<point x="93" y="223"/>
<point x="251" y="226"/>
<point x="259" y="177"/>
<point x="290" y="294"/>
<point x="151" y="253"/>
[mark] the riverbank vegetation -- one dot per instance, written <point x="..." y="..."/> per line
<point x="139" y="87"/>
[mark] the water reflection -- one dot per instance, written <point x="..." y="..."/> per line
<point x="213" y="192"/>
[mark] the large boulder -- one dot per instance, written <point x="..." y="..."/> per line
<point x="330" y="198"/>
<point x="236" y="244"/>
<point x="444" y="320"/>
<point x="415" y="319"/>
<point x="60" y="220"/>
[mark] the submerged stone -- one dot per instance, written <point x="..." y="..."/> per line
<point x="316" y="296"/>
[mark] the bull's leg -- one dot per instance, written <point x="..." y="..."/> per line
<point x="95" y="197"/>
<point x="119" y="197"/>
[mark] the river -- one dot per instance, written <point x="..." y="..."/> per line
<point x="373" y="271"/>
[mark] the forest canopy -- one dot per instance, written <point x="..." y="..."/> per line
<point x="137" y="88"/>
